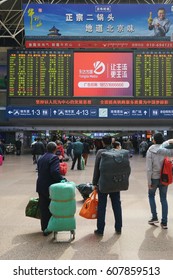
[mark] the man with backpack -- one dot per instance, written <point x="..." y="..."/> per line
<point x="154" y="162"/>
<point x="107" y="183"/>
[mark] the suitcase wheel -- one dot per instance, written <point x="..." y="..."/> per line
<point x="72" y="235"/>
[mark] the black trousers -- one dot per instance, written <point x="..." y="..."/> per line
<point x="77" y="157"/>
<point x="116" y="207"/>
<point x="44" y="202"/>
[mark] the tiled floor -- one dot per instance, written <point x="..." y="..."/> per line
<point x="21" y="238"/>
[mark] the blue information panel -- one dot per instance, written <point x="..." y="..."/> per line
<point x="115" y="112"/>
<point x="52" y="112"/>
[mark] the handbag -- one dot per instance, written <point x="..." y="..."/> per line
<point x="63" y="168"/>
<point x="89" y="208"/>
<point x="166" y="177"/>
<point x="32" y="209"/>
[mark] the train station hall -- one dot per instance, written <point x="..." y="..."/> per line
<point x="83" y="81"/>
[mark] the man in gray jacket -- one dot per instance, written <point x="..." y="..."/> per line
<point x="154" y="161"/>
<point x="102" y="197"/>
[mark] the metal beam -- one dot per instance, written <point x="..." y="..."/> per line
<point x="10" y="34"/>
<point x="3" y="1"/>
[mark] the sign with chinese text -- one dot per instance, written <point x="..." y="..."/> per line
<point x="58" y="21"/>
<point x="103" y="74"/>
<point x="79" y="112"/>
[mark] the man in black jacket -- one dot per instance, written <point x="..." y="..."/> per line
<point x="48" y="173"/>
<point x="38" y="150"/>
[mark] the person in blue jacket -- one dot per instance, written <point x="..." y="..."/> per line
<point x="77" y="154"/>
<point x="48" y="173"/>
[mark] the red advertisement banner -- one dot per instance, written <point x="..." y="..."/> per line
<point x="99" y="44"/>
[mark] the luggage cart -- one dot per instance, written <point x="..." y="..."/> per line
<point x="57" y="238"/>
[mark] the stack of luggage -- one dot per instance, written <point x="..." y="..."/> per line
<point x="62" y="208"/>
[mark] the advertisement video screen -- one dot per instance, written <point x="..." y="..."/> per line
<point x="103" y="74"/>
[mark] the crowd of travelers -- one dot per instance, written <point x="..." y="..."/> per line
<point x="73" y="148"/>
<point x="77" y="148"/>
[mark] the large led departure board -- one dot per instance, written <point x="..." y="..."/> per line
<point x="153" y="74"/>
<point x="35" y="73"/>
<point x="41" y="76"/>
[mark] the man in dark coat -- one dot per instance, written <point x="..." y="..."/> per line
<point x="48" y="173"/>
<point x="102" y="197"/>
<point x="38" y="149"/>
<point x="18" y="145"/>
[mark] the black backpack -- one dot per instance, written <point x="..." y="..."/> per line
<point x="114" y="171"/>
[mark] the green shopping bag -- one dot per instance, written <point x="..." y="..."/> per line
<point x="82" y="163"/>
<point x="32" y="209"/>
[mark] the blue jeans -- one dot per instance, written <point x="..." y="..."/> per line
<point x="163" y="199"/>
<point x="116" y="206"/>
